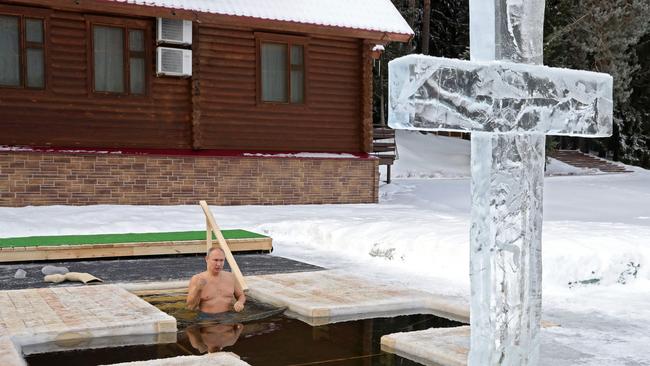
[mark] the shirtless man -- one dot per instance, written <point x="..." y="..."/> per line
<point x="212" y="291"/>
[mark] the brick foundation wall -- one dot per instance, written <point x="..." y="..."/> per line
<point x="44" y="178"/>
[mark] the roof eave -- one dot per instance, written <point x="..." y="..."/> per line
<point x="126" y="9"/>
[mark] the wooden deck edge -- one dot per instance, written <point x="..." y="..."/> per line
<point x="39" y="253"/>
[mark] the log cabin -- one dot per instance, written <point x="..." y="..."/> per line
<point x="170" y="102"/>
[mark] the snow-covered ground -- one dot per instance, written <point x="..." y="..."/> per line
<point x="596" y="240"/>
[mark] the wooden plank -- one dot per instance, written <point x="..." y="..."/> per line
<point x="384" y="148"/>
<point x="208" y="236"/>
<point x="366" y="100"/>
<point x="224" y="246"/>
<point x="383" y="133"/>
<point x="196" y="88"/>
<point x="390" y="144"/>
<point x="386" y="160"/>
<point x="19" y="254"/>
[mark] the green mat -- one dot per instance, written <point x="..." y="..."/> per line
<point x="33" y="241"/>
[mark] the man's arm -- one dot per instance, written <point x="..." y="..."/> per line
<point x="241" y="298"/>
<point x="194" y="292"/>
<point x="194" y="335"/>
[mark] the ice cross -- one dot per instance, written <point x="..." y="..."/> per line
<point x="510" y="102"/>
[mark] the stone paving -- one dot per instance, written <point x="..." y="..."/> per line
<point x="431" y="347"/>
<point x="450" y="346"/>
<point x="9" y="353"/>
<point x="66" y="314"/>
<point x="62" y="315"/>
<point x="334" y="295"/>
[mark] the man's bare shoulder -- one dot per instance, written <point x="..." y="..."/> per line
<point x="198" y="276"/>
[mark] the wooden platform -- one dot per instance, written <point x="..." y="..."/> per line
<point x="81" y="251"/>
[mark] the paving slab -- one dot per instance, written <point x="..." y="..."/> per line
<point x="450" y="346"/>
<point x="431" y="347"/>
<point x="68" y="314"/>
<point x="10" y="353"/>
<point x="329" y="296"/>
<point x="210" y="359"/>
<point x="100" y="342"/>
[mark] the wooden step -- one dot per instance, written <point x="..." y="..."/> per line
<point x="383" y="147"/>
<point x="386" y="160"/>
<point x="380" y="133"/>
<point x="581" y="160"/>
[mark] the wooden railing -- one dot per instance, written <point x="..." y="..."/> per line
<point x="384" y="147"/>
<point x="212" y="227"/>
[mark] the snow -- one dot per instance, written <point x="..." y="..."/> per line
<point x="427" y="156"/>
<point x="556" y="167"/>
<point x="596" y="230"/>
<point x="374" y="15"/>
<point x="304" y="155"/>
<point x="76" y="151"/>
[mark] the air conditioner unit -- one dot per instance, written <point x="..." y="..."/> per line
<point x="175" y="31"/>
<point x="173" y="61"/>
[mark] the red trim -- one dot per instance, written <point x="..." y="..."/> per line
<point x="179" y="152"/>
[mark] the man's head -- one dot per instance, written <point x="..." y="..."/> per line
<point x="215" y="260"/>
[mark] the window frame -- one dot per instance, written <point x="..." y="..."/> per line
<point x="23" y="14"/>
<point x="125" y="24"/>
<point x="289" y="41"/>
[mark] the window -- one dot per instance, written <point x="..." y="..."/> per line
<point x="281" y="68"/>
<point x="119" y="58"/>
<point x="22" y="53"/>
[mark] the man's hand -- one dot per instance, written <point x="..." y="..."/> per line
<point x="194" y="292"/>
<point x="238" y="306"/>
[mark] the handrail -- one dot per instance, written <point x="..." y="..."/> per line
<point x="212" y="227"/>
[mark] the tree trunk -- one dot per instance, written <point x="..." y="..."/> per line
<point x="411" y="13"/>
<point x="426" y="23"/>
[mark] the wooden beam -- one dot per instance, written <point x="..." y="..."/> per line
<point x="196" y="88"/>
<point x="212" y="224"/>
<point x="208" y="235"/>
<point x="58" y="252"/>
<point x="366" y="95"/>
<point x="125" y="9"/>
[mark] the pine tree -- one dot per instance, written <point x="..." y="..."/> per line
<point x="448" y="37"/>
<point x="603" y="36"/>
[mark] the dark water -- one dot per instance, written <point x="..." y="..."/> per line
<point x="276" y="340"/>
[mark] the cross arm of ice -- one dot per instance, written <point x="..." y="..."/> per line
<point x="433" y="93"/>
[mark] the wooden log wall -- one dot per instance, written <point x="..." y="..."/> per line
<point x="66" y="114"/>
<point x="231" y="118"/>
<point x="219" y="102"/>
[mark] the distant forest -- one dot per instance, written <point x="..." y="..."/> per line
<point x="611" y="36"/>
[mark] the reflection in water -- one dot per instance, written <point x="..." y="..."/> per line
<point x="213" y="337"/>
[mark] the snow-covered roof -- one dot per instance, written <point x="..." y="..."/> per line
<point x="372" y="15"/>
